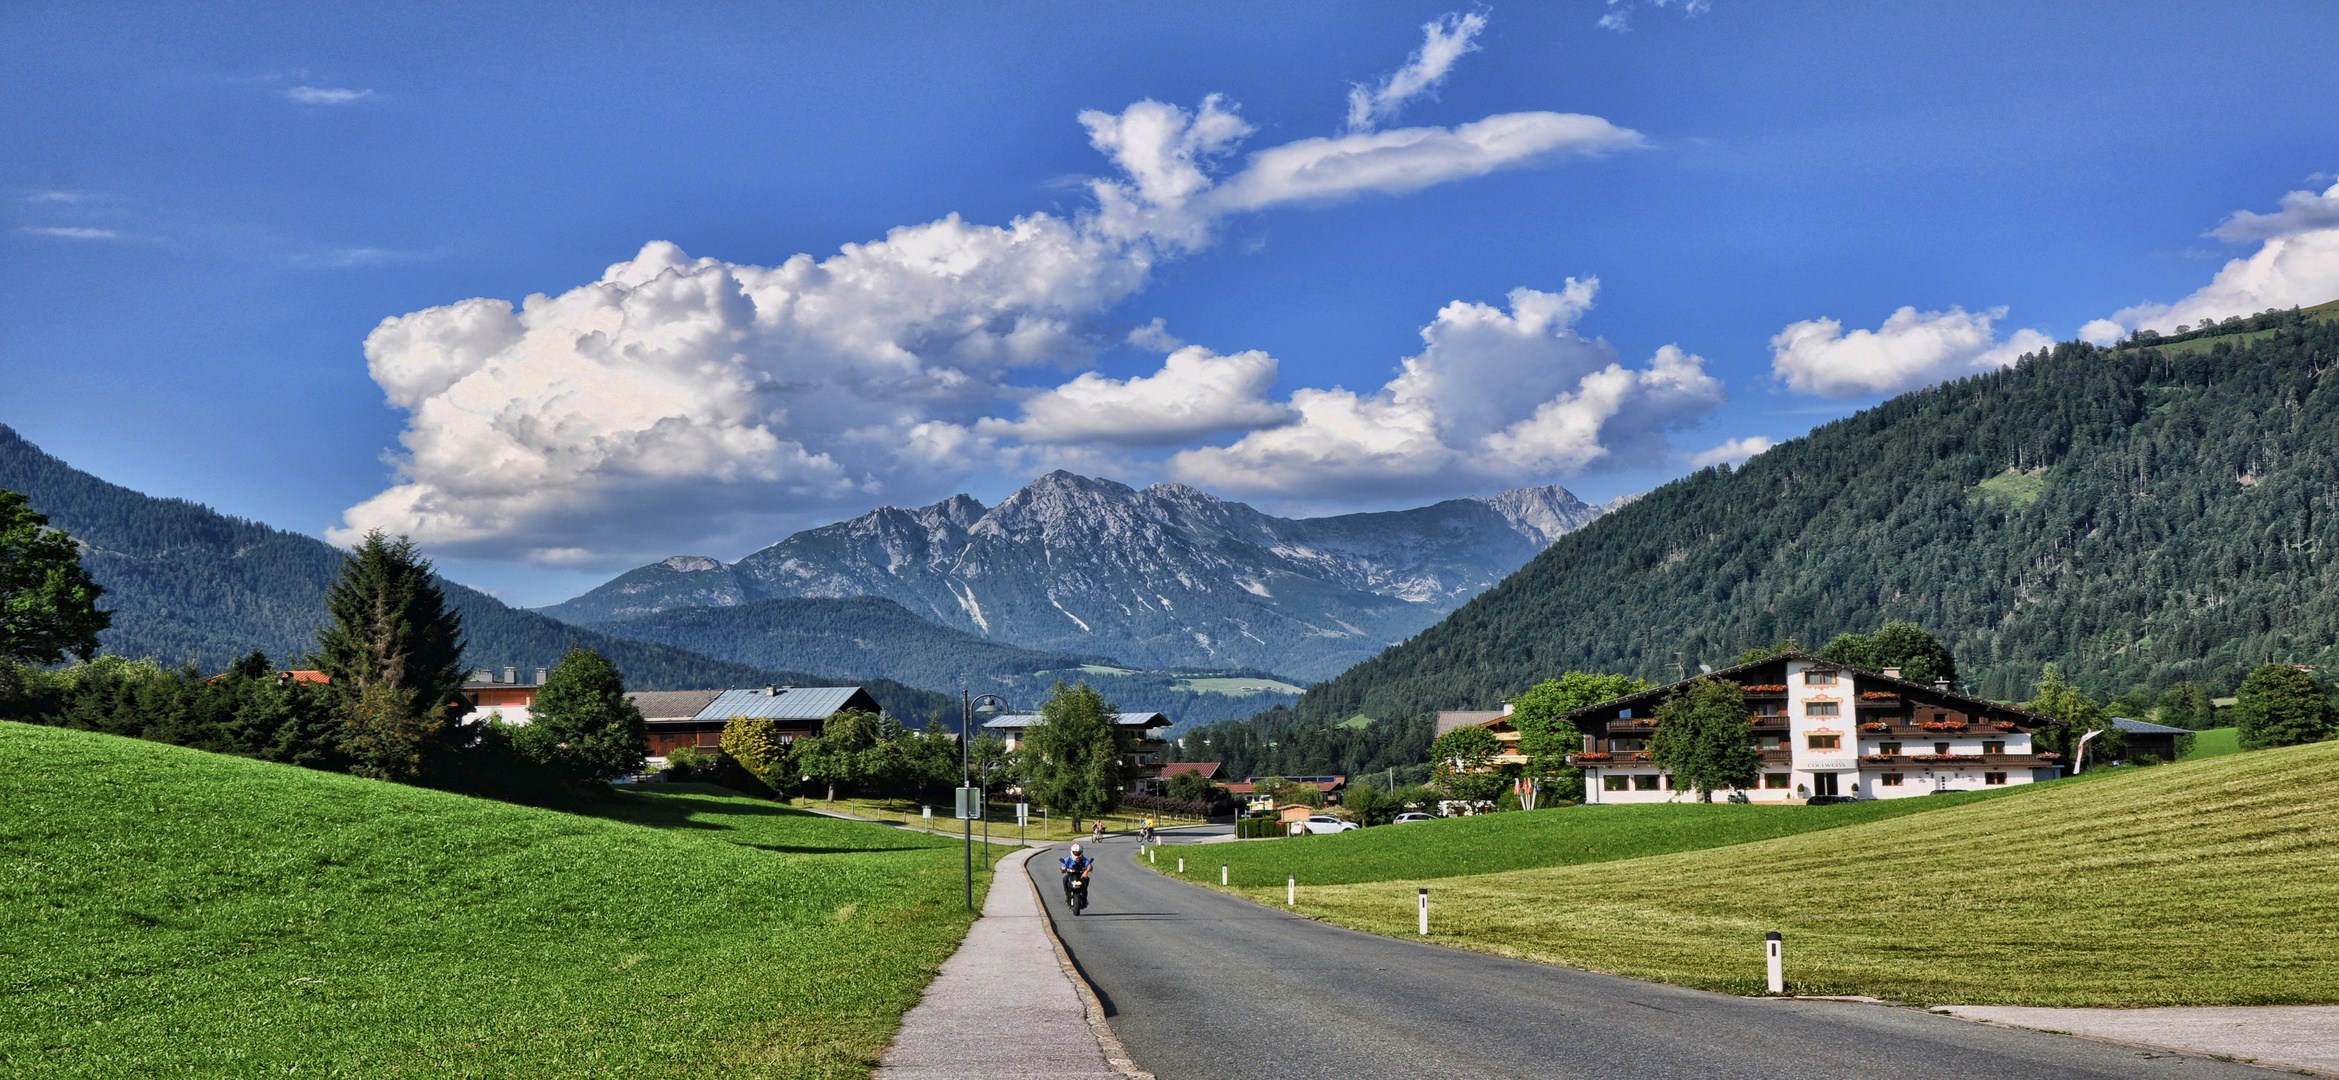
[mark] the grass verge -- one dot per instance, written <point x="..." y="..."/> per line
<point x="1567" y="836"/>
<point x="172" y="912"/>
<point x="2213" y="882"/>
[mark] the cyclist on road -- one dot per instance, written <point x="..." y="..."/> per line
<point x="1145" y="833"/>
<point x="1096" y="834"/>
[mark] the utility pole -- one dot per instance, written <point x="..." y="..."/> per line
<point x="966" y="715"/>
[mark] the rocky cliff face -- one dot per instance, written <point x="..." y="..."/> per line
<point x="1164" y="577"/>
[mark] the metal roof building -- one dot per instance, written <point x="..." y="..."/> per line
<point x="788" y="703"/>
<point x="1020" y="721"/>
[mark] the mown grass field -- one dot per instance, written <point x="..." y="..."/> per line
<point x="1567" y="836"/>
<point x="171" y="912"/>
<point x="2214" y="742"/>
<point x="2201" y="883"/>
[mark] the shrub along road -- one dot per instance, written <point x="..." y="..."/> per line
<point x="1203" y="985"/>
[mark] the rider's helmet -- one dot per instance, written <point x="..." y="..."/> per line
<point x="1075" y="849"/>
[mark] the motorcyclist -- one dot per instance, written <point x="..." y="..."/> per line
<point x="1075" y="867"/>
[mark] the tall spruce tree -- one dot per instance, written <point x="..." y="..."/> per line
<point x="1072" y="758"/>
<point x="582" y="725"/>
<point x="48" y="603"/>
<point x="394" y="651"/>
<point x="1705" y="738"/>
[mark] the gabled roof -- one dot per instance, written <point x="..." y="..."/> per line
<point x="1449" y="719"/>
<point x="787" y="703"/>
<point x="2146" y="727"/>
<point x="1020" y="721"/>
<point x="1205" y="769"/>
<point x="1661" y="692"/>
<point x="672" y="704"/>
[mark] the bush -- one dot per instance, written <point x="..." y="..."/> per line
<point x="1164" y="804"/>
<point x="1252" y="828"/>
<point x="687" y="763"/>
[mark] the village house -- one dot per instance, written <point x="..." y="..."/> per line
<point x="1139" y="727"/>
<point x="506" y="698"/>
<point x="1170" y="770"/>
<point x="1331" y="788"/>
<point x="1826" y="729"/>
<point x="799" y="710"/>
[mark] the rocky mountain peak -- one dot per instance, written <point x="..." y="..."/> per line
<point x="691" y="564"/>
<point x="1544" y="513"/>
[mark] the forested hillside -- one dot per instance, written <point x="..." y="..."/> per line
<point x="2139" y="516"/>
<point x="187" y="584"/>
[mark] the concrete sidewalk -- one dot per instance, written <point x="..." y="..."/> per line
<point x="1008" y="1004"/>
<point x="2290" y="1036"/>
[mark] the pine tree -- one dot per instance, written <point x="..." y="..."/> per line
<point x="395" y="653"/>
<point x="48" y="604"/>
<point x="582" y="724"/>
<point x="1073" y="757"/>
<point x="1705" y="738"/>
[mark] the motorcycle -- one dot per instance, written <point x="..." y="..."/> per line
<point x="1075" y="892"/>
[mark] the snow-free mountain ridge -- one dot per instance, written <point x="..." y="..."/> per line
<point x="1167" y="576"/>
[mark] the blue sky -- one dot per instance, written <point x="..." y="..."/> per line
<point x="209" y="216"/>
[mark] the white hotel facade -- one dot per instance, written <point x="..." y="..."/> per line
<point x="1825" y="729"/>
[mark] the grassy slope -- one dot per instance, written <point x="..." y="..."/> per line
<point x="1568" y="836"/>
<point x="2207" y="882"/>
<point x="171" y="911"/>
<point x="2213" y="743"/>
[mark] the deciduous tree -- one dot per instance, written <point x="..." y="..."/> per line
<point x="2078" y="714"/>
<point x="1547" y="739"/>
<point x="1073" y="762"/>
<point x="1705" y="738"/>
<point x="1463" y="766"/>
<point x="2279" y="705"/>
<point x="582" y="724"/>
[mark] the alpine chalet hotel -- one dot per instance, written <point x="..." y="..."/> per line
<point x="1826" y="729"/>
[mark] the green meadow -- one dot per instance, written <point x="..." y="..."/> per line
<point x="2209" y="882"/>
<point x="1568" y="836"/>
<point x="172" y="912"/>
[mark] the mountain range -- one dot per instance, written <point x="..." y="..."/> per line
<point x="2166" y="511"/>
<point x="1164" y="577"/>
<point x="187" y="584"/>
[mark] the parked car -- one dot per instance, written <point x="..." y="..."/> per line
<point x="1326" y="823"/>
<point x="1414" y="816"/>
<point x="1830" y="800"/>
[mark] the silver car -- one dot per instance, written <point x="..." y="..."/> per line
<point x="1326" y="823"/>
<point x="1416" y="816"/>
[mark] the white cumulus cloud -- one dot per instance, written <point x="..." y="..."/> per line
<point x="1444" y="40"/>
<point x="2296" y="265"/>
<point x="326" y="95"/>
<point x="1197" y="392"/>
<point x="1912" y="349"/>
<point x="1619" y="14"/>
<point x="679" y="400"/>
<point x="1732" y="450"/>
<point x="1497" y="396"/>
<point x="73" y="232"/>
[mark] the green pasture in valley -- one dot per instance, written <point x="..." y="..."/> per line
<point x="171" y="912"/>
<point x="1451" y="847"/>
<point x="2212" y="882"/>
<point x="2213" y="742"/>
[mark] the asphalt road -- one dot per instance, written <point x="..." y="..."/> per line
<point x="1202" y="986"/>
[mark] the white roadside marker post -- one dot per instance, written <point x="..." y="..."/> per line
<point x="1149" y="857"/>
<point x="1291" y="890"/>
<point x="1425" y="911"/>
<point x="1778" y="966"/>
<point x="1181" y="864"/>
<point x="1222" y="873"/>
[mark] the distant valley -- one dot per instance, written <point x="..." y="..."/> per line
<point x="1166" y="577"/>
